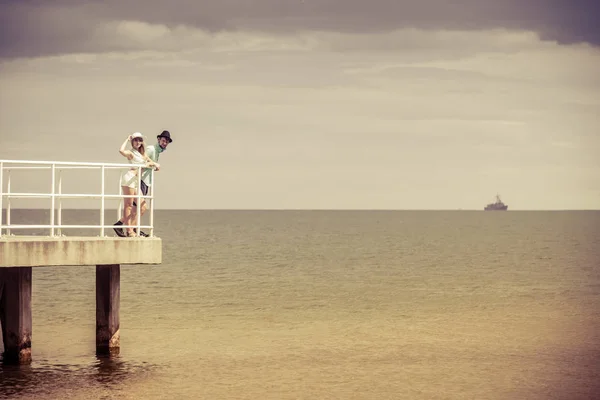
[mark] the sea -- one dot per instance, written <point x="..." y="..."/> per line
<point x="287" y="304"/>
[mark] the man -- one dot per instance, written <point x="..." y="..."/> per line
<point x="153" y="152"/>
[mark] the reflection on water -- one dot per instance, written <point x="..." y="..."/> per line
<point x="110" y="369"/>
<point x="57" y="380"/>
<point x="15" y="379"/>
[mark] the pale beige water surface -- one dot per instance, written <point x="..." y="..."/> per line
<point x="333" y="305"/>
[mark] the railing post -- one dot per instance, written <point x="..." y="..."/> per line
<point x="120" y="191"/>
<point x="8" y="204"/>
<point x="53" y="199"/>
<point x="139" y="201"/>
<point x="102" y="203"/>
<point x="59" y="230"/>
<point x="151" y="199"/>
<point x="1" y="193"/>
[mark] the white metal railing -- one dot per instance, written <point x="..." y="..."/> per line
<point x="56" y="195"/>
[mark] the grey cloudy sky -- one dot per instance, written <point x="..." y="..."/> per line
<point x="316" y="103"/>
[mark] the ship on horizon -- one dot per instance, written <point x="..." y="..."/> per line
<point x="498" y="205"/>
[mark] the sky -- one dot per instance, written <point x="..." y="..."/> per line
<point x="314" y="104"/>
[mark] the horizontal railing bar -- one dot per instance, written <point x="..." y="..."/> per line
<point x="75" y="167"/>
<point x="69" y="226"/>
<point x="14" y="168"/>
<point x="97" y="196"/>
<point x="57" y="163"/>
<point x="73" y="195"/>
<point x="17" y="195"/>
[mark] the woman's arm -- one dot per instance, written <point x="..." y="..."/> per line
<point x="124" y="152"/>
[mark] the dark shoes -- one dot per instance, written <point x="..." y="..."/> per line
<point x="142" y="233"/>
<point x="119" y="231"/>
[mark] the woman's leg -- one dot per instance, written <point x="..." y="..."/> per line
<point x="133" y="215"/>
<point x="127" y="209"/>
<point x="144" y="207"/>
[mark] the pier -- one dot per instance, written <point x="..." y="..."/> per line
<point x="21" y="252"/>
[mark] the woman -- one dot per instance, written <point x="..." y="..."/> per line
<point x="129" y="180"/>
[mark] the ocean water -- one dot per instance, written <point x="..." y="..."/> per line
<point x="332" y="305"/>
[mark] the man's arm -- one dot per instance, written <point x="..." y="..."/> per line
<point x="151" y="153"/>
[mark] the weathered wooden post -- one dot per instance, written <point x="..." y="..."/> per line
<point x="108" y="294"/>
<point x="15" y="314"/>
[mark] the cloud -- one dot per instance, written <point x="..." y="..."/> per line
<point x="34" y="28"/>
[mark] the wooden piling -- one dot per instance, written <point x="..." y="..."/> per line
<point x="108" y="293"/>
<point x="15" y="314"/>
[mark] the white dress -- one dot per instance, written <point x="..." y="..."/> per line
<point x="130" y="178"/>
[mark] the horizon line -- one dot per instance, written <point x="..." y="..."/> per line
<point x="320" y="209"/>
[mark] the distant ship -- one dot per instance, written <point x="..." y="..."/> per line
<point x="497" y="206"/>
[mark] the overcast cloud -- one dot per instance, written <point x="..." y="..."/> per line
<point x="30" y="28"/>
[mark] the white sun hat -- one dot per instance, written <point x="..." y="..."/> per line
<point x="138" y="135"/>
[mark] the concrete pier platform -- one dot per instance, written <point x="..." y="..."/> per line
<point x="18" y="254"/>
<point x="42" y="251"/>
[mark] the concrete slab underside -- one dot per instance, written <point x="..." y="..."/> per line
<point x="41" y="251"/>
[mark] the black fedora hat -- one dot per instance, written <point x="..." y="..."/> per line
<point x="166" y="135"/>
